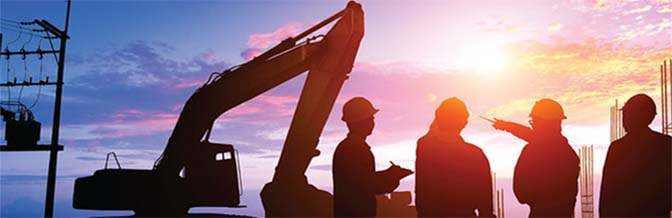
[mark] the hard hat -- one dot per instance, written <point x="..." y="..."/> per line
<point x="547" y="109"/>
<point x="452" y="108"/>
<point x="640" y="103"/>
<point x="357" y="108"/>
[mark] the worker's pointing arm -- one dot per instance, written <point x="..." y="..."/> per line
<point x="518" y="130"/>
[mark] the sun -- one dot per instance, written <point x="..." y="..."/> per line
<point x="483" y="59"/>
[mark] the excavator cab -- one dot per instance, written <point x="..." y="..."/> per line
<point x="213" y="177"/>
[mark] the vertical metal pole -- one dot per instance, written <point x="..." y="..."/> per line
<point x="497" y="201"/>
<point x="592" y="185"/>
<point x="663" y="83"/>
<point x="494" y="188"/>
<point x="662" y="99"/>
<point x="667" y="95"/>
<point x="667" y="99"/>
<point x="582" y="179"/>
<point x="620" y="123"/>
<point x="502" y="202"/>
<point x="53" y="154"/>
<point x="664" y="105"/>
<point x="611" y="123"/>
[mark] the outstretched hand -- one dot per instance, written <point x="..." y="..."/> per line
<point x="501" y="124"/>
<point x="518" y="130"/>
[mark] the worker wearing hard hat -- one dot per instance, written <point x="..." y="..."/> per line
<point x="356" y="181"/>
<point x="545" y="177"/>
<point x="637" y="172"/>
<point x="452" y="176"/>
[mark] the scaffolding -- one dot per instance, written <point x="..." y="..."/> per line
<point x="665" y="82"/>
<point x="586" y="182"/>
<point x="500" y="203"/>
<point x="497" y="198"/>
<point x="616" y="123"/>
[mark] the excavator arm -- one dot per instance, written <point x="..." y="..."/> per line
<point x="228" y="90"/>
<point x="328" y="62"/>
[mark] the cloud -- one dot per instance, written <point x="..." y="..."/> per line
<point x="130" y="96"/>
<point x="18" y="179"/>
<point x="22" y="207"/>
<point x="264" y="40"/>
<point x="498" y="25"/>
<point x="250" y="53"/>
<point x="585" y="76"/>
<point x="30" y="207"/>
<point x="638" y="10"/>
<point x="666" y="8"/>
<point x="644" y="30"/>
<point x="324" y="167"/>
<point x="554" y="27"/>
<point x="270" y="156"/>
<point x="188" y="84"/>
<point x="644" y="20"/>
<point x="144" y="64"/>
<point x="258" y="42"/>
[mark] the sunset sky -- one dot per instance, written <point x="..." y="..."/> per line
<point x="131" y="65"/>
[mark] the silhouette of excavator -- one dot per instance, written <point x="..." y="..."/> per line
<point x="193" y="172"/>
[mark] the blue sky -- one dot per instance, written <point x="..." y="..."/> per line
<point x="131" y="65"/>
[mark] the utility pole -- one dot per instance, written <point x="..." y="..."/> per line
<point x="53" y="147"/>
<point x="53" y="155"/>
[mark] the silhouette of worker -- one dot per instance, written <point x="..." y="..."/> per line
<point x="636" y="176"/>
<point x="545" y="177"/>
<point x="452" y="176"/>
<point x="356" y="181"/>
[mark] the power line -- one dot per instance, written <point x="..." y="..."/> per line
<point x="21" y="30"/>
<point x="17" y="22"/>
<point x="49" y="37"/>
<point x="13" y="25"/>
